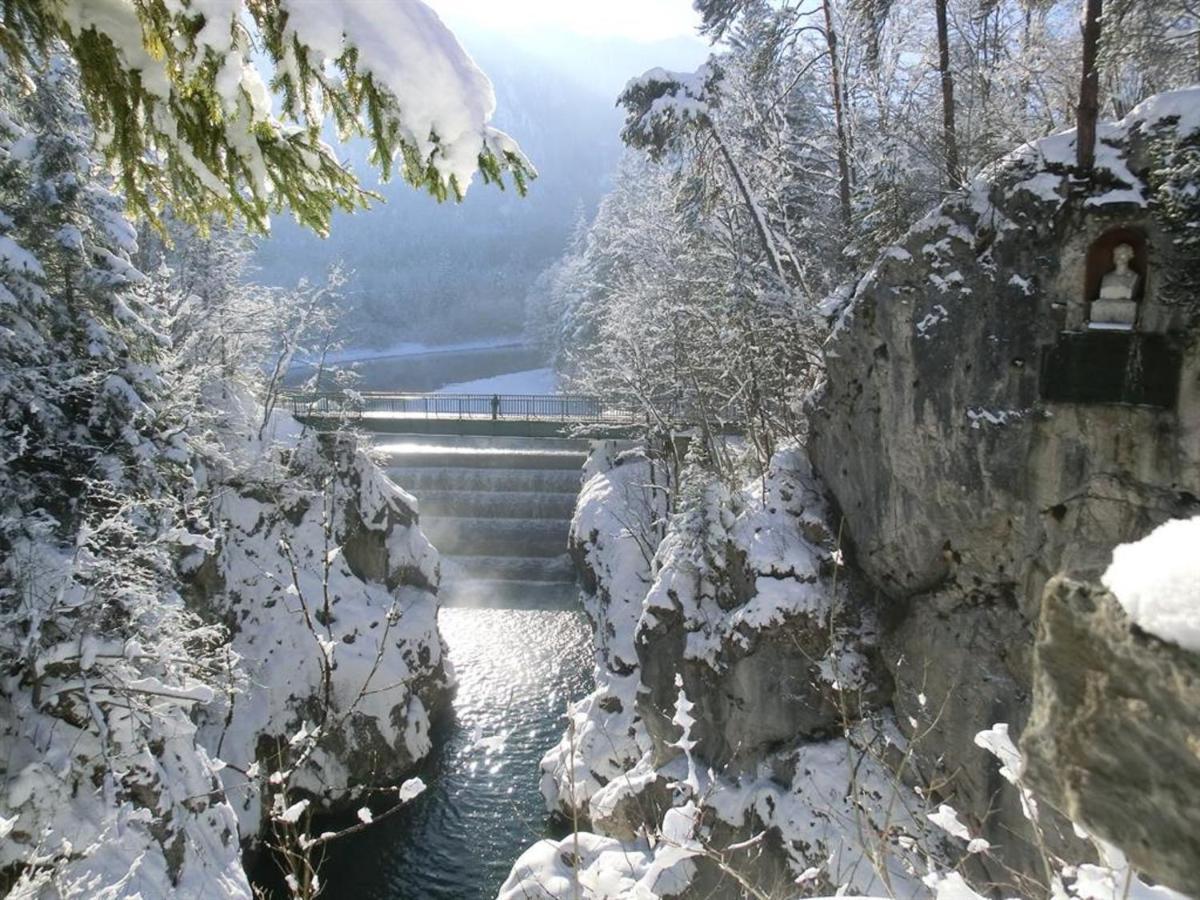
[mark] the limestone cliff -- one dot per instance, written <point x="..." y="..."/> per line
<point x="738" y="696"/>
<point x="808" y="676"/>
<point x="979" y="434"/>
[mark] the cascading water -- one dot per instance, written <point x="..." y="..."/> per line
<point x="499" y="512"/>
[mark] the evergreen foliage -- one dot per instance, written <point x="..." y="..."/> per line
<point x="102" y="658"/>
<point x="185" y="116"/>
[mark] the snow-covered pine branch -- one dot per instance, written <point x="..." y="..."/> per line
<point x="188" y="115"/>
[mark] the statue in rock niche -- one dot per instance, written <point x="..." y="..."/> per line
<point x="1116" y="306"/>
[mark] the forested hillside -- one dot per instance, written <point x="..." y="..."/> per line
<point x="438" y="274"/>
<point x="763" y="185"/>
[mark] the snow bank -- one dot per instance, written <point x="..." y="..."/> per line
<point x="1157" y="581"/>
<point x="530" y="381"/>
<point x="601" y="867"/>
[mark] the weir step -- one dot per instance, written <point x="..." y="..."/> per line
<point x="418" y="457"/>
<point x="498" y="504"/>
<point x="421" y="480"/>
<point x="498" y="511"/>
<point x="497" y="536"/>
<point x="551" y="569"/>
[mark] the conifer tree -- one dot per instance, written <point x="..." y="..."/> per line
<point x="102" y="658"/>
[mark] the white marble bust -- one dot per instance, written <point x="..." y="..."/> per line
<point x="1116" y="308"/>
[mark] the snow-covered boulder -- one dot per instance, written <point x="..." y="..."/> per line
<point x="729" y="625"/>
<point x="980" y="434"/>
<point x="321" y="560"/>
<point x="618" y="522"/>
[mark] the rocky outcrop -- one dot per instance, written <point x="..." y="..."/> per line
<point x="735" y="672"/>
<point x="618" y="522"/>
<point x="974" y="443"/>
<point x="321" y="557"/>
<point x="754" y="627"/>
<point x="1115" y="731"/>
<point x="959" y="447"/>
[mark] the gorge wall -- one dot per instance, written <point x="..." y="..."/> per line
<point x="320" y="569"/>
<point x="964" y="482"/>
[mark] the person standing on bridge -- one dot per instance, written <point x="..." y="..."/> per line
<point x="495" y="406"/>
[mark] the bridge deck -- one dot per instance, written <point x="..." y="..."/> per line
<point x="528" y="415"/>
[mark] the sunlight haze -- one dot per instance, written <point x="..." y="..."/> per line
<point x="638" y="20"/>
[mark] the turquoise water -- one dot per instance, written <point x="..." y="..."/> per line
<point x="517" y="670"/>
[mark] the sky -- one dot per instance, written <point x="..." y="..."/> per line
<point x="637" y="20"/>
<point x="598" y="44"/>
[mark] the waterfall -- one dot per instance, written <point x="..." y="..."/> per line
<point x="497" y="509"/>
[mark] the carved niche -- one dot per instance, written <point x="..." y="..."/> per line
<point x="1115" y="279"/>
<point x="1113" y="360"/>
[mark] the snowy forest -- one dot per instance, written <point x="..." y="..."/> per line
<point x="855" y="551"/>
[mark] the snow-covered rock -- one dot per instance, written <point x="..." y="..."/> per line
<point x="618" y="522"/>
<point x="726" y="623"/>
<point x="83" y="815"/>
<point x="321" y="558"/>
<point x="1157" y="582"/>
<point x="746" y="608"/>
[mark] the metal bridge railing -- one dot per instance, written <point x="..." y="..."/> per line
<point x="508" y="407"/>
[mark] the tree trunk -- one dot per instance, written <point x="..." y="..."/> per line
<point x="843" y="156"/>
<point x="756" y="214"/>
<point x="1089" y="88"/>
<point x="949" y="135"/>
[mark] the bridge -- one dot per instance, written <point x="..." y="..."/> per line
<point x="503" y="415"/>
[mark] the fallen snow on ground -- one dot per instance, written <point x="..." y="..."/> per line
<point x="1157" y="580"/>
<point x="531" y="381"/>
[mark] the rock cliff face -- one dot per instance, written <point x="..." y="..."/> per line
<point x="978" y="437"/>
<point x="1115" y="729"/>
<point x="751" y="626"/>
<point x="322" y="554"/>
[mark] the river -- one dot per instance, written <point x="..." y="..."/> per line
<point x="517" y="670"/>
<point x="521" y="650"/>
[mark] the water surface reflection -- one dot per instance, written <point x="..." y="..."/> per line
<point x="517" y="670"/>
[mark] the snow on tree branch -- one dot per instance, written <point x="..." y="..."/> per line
<point x="660" y="104"/>
<point x="184" y="111"/>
